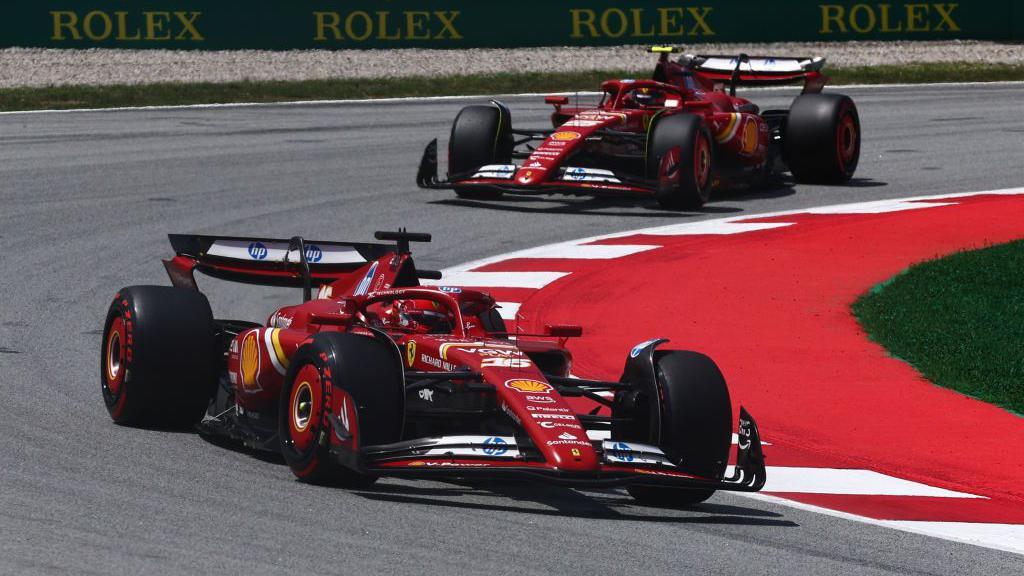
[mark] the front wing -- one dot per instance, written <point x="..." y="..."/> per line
<point x="509" y="457"/>
<point x="498" y="178"/>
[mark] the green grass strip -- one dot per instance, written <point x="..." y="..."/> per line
<point x="165" y="94"/>
<point x="958" y="320"/>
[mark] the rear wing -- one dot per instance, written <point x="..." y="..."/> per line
<point x="296" y="262"/>
<point x="741" y="69"/>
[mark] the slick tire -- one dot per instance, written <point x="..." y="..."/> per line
<point x="696" y="160"/>
<point x="821" y="144"/>
<point x="158" y="358"/>
<point x="364" y="368"/>
<point x="696" y="427"/>
<point x="481" y="135"/>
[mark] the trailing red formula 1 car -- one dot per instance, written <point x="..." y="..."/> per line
<point x="675" y="137"/>
<point x="380" y="376"/>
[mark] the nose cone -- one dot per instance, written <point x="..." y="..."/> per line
<point x="571" y="451"/>
<point x="529" y="176"/>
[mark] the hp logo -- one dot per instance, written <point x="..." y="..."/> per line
<point x="257" y="251"/>
<point x="314" y="254"/>
<point x="495" y="446"/>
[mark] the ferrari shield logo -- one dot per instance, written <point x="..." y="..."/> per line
<point x="410" y="352"/>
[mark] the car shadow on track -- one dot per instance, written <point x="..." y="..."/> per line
<point x="621" y="206"/>
<point x="604" y="206"/>
<point x="862" y="183"/>
<point x="525" y="498"/>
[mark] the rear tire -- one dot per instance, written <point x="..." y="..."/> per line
<point x="158" y="359"/>
<point x="821" y="144"/>
<point x="696" y="427"/>
<point x="696" y="160"/>
<point x="364" y="368"/>
<point x="481" y="135"/>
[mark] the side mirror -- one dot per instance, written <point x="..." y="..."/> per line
<point x="563" y="330"/>
<point x="556" y="100"/>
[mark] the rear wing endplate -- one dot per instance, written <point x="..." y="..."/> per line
<point x="293" y="263"/>
<point x="745" y="70"/>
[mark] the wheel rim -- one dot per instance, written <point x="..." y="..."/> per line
<point x="305" y="405"/>
<point x="846" y="141"/>
<point x="702" y="162"/>
<point x="114" y="360"/>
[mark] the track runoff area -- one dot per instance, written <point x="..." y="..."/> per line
<point x="850" y="430"/>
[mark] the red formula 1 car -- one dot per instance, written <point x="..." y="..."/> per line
<point x="380" y="376"/>
<point x="676" y="137"/>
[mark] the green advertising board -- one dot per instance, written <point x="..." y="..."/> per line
<point x="335" y="24"/>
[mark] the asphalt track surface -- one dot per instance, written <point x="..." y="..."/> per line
<point x="85" y="202"/>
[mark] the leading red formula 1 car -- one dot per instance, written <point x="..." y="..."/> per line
<point x="675" y="137"/>
<point x="380" y="376"/>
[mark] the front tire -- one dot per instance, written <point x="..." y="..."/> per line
<point x="363" y="368"/>
<point x="687" y="183"/>
<point x="821" y="144"/>
<point x="158" y="359"/>
<point x="481" y="135"/>
<point x="696" y="426"/>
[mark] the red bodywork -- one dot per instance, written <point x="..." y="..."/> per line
<point x="543" y="434"/>
<point x="610" y="139"/>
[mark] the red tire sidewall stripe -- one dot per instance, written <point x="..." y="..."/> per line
<point x="116" y="393"/>
<point x="115" y="335"/>
<point x="306" y="379"/>
<point x="846" y="125"/>
<point x="702" y="160"/>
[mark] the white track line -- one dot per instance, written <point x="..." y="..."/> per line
<point x="1009" y="540"/>
<point x="1009" y="537"/>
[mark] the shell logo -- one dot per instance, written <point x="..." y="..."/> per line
<point x="528" y="385"/>
<point x="565" y="136"/>
<point x="250" y="360"/>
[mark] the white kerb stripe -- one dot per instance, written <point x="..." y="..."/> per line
<point x="606" y="435"/>
<point x="499" y="279"/>
<point x="878" y="207"/>
<point x="710" y="227"/>
<point x="584" y="251"/>
<point x="508" y="310"/>
<point x="847" y="481"/>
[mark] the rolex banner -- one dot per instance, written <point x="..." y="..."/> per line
<point x="337" y="24"/>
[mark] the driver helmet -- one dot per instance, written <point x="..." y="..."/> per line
<point x="418" y="316"/>
<point x="648" y="97"/>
